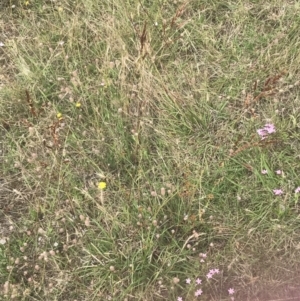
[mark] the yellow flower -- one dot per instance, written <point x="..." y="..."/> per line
<point x="26" y="3"/>
<point x="78" y="104"/>
<point x="102" y="185"/>
<point x="59" y="115"/>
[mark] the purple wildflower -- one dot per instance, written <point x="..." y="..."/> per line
<point x="268" y="129"/>
<point x="278" y="191"/>
<point x="231" y="291"/>
<point x="264" y="171"/>
<point x="198" y="281"/>
<point x="262" y="133"/>
<point x="297" y="190"/>
<point x="198" y="292"/>
<point x="213" y="271"/>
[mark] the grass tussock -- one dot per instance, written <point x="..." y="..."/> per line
<point x="149" y="151"/>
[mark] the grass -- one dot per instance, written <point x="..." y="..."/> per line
<point x="162" y="102"/>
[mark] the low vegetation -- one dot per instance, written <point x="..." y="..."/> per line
<point x="149" y="150"/>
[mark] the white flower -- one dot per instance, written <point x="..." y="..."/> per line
<point x="2" y="241"/>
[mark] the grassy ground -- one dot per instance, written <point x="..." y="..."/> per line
<point x="162" y="102"/>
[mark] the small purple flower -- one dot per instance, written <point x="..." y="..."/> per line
<point x="198" y="292"/>
<point x="278" y="191"/>
<point x="213" y="271"/>
<point x="297" y="190"/>
<point x="188" y="280"/>
<point x="209" y="275"/>
<point x="198" y="281"/>
<point x="279" y="172"/>
<point x="264" y="171"/>
<point x="270" y="128"/>
<point x="179" y="299"/>
<point x="262" y="133"/>
<point x="231" y="291"/>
